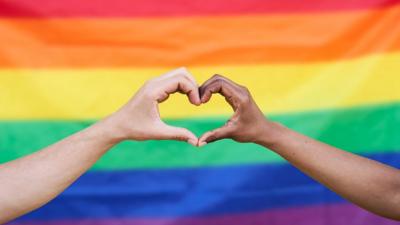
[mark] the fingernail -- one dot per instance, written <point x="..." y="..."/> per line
<point x="192" y="142"/>
<point x="201" y="144"/>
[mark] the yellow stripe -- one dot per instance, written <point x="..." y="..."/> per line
<point x="94" y="93"/>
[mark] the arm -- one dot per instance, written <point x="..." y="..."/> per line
<point x="367" y="183"/>
<point x="29" y="182"/>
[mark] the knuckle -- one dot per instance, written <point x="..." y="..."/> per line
<point x="219" y="81"/>
<point x="245" y="92"/>
<point x="151" y="92"/>
<point x="148" y="83"/>
<point x="244" y="89"/>
<point x="186" y="78"/>
<point x="179" y="75"/>
<point x="151" y="82"/>
<point x="244" y="98"/>
<point x="183" y="72"/>
<point x="146" y="89"/>
<point x="182" y="69"/>
<point x="216" y="76"/>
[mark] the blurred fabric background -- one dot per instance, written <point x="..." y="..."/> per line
<point x="329" y="69"/>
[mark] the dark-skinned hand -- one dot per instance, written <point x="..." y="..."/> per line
<point x="247" y="123"/>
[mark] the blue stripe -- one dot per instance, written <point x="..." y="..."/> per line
<point x="190" y="192"/>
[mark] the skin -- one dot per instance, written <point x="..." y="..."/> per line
<point x="367" y="183"/>
<point x="29" y="182"/>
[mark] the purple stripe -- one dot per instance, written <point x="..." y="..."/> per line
<point x="333" y="214"/>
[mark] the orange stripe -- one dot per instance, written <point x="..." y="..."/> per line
<point x="197" y="40"/>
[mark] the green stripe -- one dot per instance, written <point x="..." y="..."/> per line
<point x="369" y="129"/>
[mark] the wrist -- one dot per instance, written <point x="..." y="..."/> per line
<point x="270" y="135"/>
<point x="110" y="130"/>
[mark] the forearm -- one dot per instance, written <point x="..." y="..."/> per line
<point x="29" y="182"/>
<point x="370" y="184"/>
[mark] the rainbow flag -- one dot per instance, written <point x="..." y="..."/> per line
<point x="327" y="68"/>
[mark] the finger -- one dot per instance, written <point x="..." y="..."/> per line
<point x="179" y="134"/>
<point x="219" y="77"/>
<point x="203" y="90"/>
<point x="178" y="80"/>
<point x="183" y="85"/>
<point x="194" y="96"/>
<point x="186" y="73"/>
<point x="215" y="135"/>
<point x="191" y="90"/>
<point x="177" y="72"/>
<point x="221" y="86"/>
<point x="182" y="71"/>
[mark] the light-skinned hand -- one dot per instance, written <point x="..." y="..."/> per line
<point x="140" y="119"/>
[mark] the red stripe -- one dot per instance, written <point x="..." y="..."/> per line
<point x="134" y="8"/>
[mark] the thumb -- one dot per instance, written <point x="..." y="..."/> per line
<point x="214" y="135"/>
<point x="179" y="134"/>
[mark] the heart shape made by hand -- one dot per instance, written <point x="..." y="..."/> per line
<point x="239" y="98"/>
<point x="179" y="112"/>
<point x="242" y="126"/>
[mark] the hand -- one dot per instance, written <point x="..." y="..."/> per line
<point x="140" y="119"/>
<point x="247" y="123"/>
